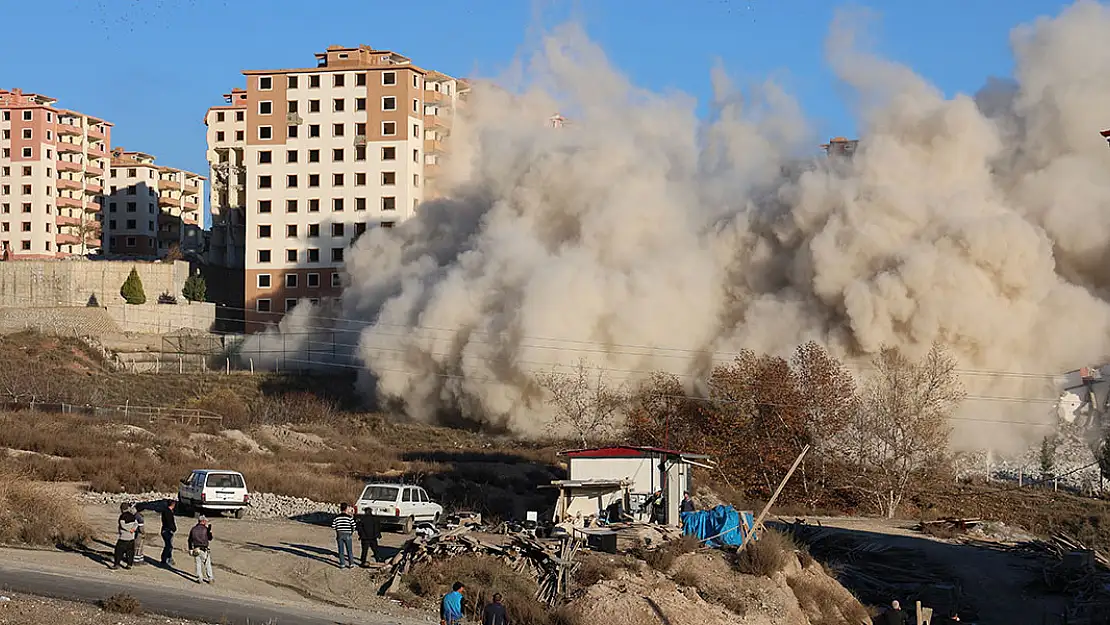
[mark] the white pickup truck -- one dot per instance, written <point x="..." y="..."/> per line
<point x="398" y="505"/>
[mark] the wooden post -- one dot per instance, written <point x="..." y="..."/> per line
<point x="762" y="513"/>
<point x="1020" y="472"/>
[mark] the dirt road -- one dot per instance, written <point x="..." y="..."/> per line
<point x="285" y="564"/>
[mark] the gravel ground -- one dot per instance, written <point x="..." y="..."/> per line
<point x="262" y="506"/>
<point x="30" y="610"/>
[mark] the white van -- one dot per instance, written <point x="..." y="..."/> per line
<point x="398" y="505"/>
<point x="215" y="490"/>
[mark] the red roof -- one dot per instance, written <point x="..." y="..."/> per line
<point x="621" y="451"/>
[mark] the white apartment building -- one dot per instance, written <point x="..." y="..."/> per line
<point x="150" y="208"/>
<point x="310" y="158"/>
<point x="52" y="167"/>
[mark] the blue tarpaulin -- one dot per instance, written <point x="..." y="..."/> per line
<point x="723" y="525"/>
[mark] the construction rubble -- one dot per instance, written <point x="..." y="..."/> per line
<point x="1077" y="572"/>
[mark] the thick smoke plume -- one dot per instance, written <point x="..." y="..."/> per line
<point x="644" y="238"/>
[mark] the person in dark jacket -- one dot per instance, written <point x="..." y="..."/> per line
<point x="200" y="543"/>
<point x="169" y="528"/>
<point x="494" y="613"/>
<point x="369" y="531"/>
<point x="126" y="526"/>
<point x="894" y="615"/>
<point x="687" y="503"/>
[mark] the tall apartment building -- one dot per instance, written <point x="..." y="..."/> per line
<point x="305" y="160"/>
<point x="53" y="163"/>
<point x="840" y="146"/>
<point x="151" y="208"/>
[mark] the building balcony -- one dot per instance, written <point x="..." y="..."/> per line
<point x="169" y="202"/>
<point x="92" y="242"/>
<point x="95" y="133"/>
<point x="69" y="130"/>
<point x="69" y="185"/>
<point x="63" y="220"/>
<point x="93" y="171"/>
<point x="97" y="152"/>
<point x="68" y="202"/>
<point x="68" y="166"/>
<point x="436" y="97"/>
<point x="92" y="207"/>
<point x="93" y="189"/>
<point x="193" y="189"/>
<point x="70" y="148"/>
<point x="435" y="121"/>
<point x="67" y="239"/>
<point x="171" y="185"/>
<point x="433" y="146"/>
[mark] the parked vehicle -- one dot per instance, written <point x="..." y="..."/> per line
<point x="214" y="490"/>
<point x="398" y="505"/>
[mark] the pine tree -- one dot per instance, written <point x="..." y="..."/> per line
<point x="132" y="289"/>
<point x="195" y="288"/>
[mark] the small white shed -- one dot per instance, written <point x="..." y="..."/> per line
<point x="602" y="475"/>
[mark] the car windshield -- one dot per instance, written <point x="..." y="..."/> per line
<point x="225" y="480"/>
<point x="379" y="493"/>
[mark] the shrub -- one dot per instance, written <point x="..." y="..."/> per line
<point x="767" y="555"/>
<point x="132" y="289"/>
<point x="166" y="298"/>
<point x="662" y="558"/>
<point x="196" y="289"/>
<point x="121" y="603"/>
<point x="592" y="569"/>
<point x="35" y="514"/>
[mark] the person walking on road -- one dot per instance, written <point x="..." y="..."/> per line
<point x="200" y="544"/>
<point x="126" y="526"/>
<point x="451" y="608"/>
<point x="169" y="528"/>
<point x="344" y="526"/>
<point x="494" y="614"/>
<point x="369" y="531"/>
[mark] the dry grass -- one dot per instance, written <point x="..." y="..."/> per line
<point x="823" y="604"/>
<point x="484" y="576"/>
<point x="121" y="603"/>
<point x="35" y="514"/>
<point x="766" y="556"/>
<point x="663" y="558"/>
<point x="593" y="568"/>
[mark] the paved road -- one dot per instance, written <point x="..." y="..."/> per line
<point x="169" y="602"/>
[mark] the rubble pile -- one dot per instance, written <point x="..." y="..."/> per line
<point x="262" y="505"/>
<point x="1078" y="572"/>
<point x="550" y="563"/>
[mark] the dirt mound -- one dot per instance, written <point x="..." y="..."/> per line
<point x="636" y="599"/>
<point x="243" y="440"/>
<point x="293" y="440"/>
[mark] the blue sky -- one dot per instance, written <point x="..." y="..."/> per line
<point x="152" y="67"/>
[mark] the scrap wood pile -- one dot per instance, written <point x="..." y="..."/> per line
<point x="551" y="563"/>
<point x="1080" y="572"/>
<point x="948" y="524"/>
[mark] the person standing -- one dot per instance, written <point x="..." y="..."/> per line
<point x="344" y="526"/>
<point x="894" y="615"/>
<point x="369" y="531"/>
<point x="140" y="535"/>
<point x="451" y="608"/>
<point x="169" y="528"/>
<point x="494" y="614"/>
<point x="126" y="525"/>
<point x="200" y="545"/>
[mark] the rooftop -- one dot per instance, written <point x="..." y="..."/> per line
<point x="626" y="451"/>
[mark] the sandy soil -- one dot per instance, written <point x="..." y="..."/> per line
<point x="29" y="610"/>
<point x="284" y="561"/>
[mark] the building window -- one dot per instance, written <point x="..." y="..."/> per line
<point x="264" y="231"/>
<point x="266" y="107"/>
<point x="290" y="303"/>
<point x="291" y="156"/>
<point x="389" y="103"/>
<point x="387" y="224"/>
<point x="28" y="116"/>
<point x="219" y="137"/>
<point x="263" y="256"/>
<point x="336" y="257"/>
<point x="389" y="153"/>
<point x="416" y="156"/>
<point x="313" y="230"/>
<point x="314" y="131"/>
<point x="337" y="230"/>
<point x="337" y="155"/>
<point x="291" y="231"/>
<point x="314" y="81"/>
<point x="291" y="82"/>
<point x="220" y="116"/>
<point x="291" y="106"/>
<point x="360" y="104"/>
<point x="265" y="83"/>
<point x="265" y="132"/>
<point x="291" y="181"/>
<point x="389" y="78"/>
<point x="263" y="280"/>
<point x="290" y="206"/>
<point x="389" y="203"/>
<point x="360" y="228"/>
<point x="389" y="178"/>
<point x="314" y="205"/>
<point x="313" y="106"/>
<point x="314" y="156"/>
<point x="360" y="80"/>
<point x="290" y="256"/>
<point x="338" y="80"/>
<point x="337" y="105"/>
<point x="313" y="255"/>
<point x="129" y="242"/>
<point x="313" y="280"/>
<point x="337" y="204"/>
<point x="290" y="280"/>
<point x="416" y="180"/>
<point x="415" y="106"/>
<point x="265" y="157"/>
<point x="336" y="278"/>
<point x="416" y="131"/>
<point x="360" y="153"/>
<point x="27" y="133"/>
<point x="131" y="207"/>
<point x="25" y="245"/>
<point x="314" y="180"/>
<point x="337" y="180"/>
<point x="265" y="182"/>
<point x="26" y="152"/>
<point x="239" y="116"/>
<point x="360" y="203"/>
<point x="26" y="226"/>
<point x="264" y="206"/>
<point x="337" y="130"/>
<point x="239" y="135"/>
<point x="262" y="305"/>
<point x="292" y="132"/>
<point x="360" y="179"/>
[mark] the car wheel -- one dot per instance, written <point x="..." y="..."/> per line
<point x="408" y="524"/>
<point x="240" y="513"/>
<point x="184" y="508"/>
<point x="435" y="519"/>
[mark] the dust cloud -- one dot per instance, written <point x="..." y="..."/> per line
<point x="644" y="238"/>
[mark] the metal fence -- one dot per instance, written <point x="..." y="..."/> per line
<point x="127" y="412"/>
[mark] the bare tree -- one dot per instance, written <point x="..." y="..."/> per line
<point x="585" y="403"/>
<point x="901" y="432"/>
